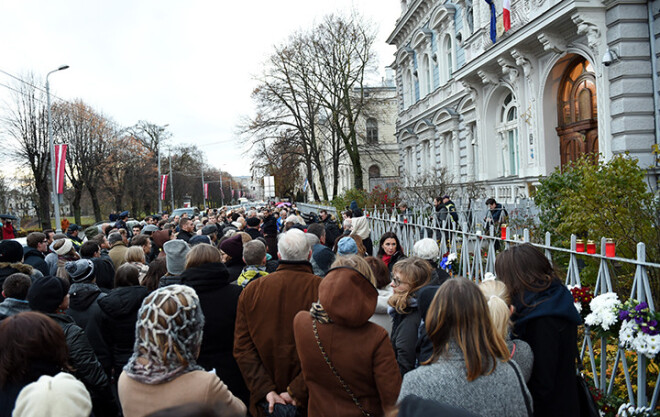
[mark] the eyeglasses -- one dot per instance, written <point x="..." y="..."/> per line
<point x="396" y="281"/>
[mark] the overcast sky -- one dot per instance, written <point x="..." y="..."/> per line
<point x="189" y="64"/>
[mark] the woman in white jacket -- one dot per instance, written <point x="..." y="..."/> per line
<point x="382" y="275"/>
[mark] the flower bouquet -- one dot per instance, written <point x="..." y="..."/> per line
<point x="582" y="296"/>
<point x="449" y="263"/>
<point x="639" y="328"/>
<point x="604" y="315"/>
<point x="629" y="410"/>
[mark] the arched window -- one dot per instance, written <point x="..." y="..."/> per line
<point x="408" y="89"/>
<point x="426" y="80"/>
<point x="372" y="131"/>
<point x="374" y="171"/>
<point x="508" y="132"/>
<point x="449" y="58"/>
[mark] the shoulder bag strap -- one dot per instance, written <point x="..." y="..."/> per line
<point x="522" y="388"/>
<point x="334" y="371"/>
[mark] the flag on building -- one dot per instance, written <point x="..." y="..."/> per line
<point x="493" y="20"/>
<point x="60" y="162"/>
<point x="506" y="14"/>
<point x="163" y="186"/>
<point x="305" y="184"/>
<point x="206" y="191"/>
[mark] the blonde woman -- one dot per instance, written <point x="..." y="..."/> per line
<point x="135" y="256"/>
<point x="499" y="305"/>
<point x="408" y="277"/>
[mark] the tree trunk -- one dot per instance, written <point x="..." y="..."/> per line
<point x="77" y="194"/>
<point x="93" y="193"/>
<point x="310" y="179"/>
<point x="44" y="205"/>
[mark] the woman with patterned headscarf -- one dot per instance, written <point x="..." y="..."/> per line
<point x="163" y="370"/>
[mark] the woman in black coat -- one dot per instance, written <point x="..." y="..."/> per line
<point x="208" y="276"/>
<point x="546" y="319"/>
<point x="49" y="295"/>
<point x="112" y="330"/>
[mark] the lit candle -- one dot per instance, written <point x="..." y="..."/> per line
<point x="504" y="231"/>
<point x="579" y="245"/>
<point x="610" y="248"/>
<point x="591" y="247"/>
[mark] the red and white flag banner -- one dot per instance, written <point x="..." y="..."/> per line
<point x="163" y="186"/>
<point x="206" y="191"/>
<point x="506" y="14"/>
<point x="60" y="162"/>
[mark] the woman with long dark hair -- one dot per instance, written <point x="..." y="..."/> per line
<point x="470" y="366"/>
<point x="32" y="345"/>
<point x="544" y="316"/>
<point x="390" y="250"/>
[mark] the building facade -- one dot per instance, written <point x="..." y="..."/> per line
<point x="379" y="152"/>
<point x="570" y="77"/>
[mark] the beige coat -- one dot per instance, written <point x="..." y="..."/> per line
<point x="138" y="399"/>
<point x="118" y="254"/>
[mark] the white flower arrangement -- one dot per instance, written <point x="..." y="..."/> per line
<point x="452" y="257"/>
<point x="604" y="311"/>
<point x="489" y="276"/>
<point x="629" y="410"/>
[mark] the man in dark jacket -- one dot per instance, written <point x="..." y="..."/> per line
<point x="332" y="231"/>
<point x="15" y="289"/>
<point x="253" y="227"/>
<point x="269" y="229"/>
<point x="11" y="256"/>
<point x="322" y="255"/>
<point x="34" y="254"/>
<point x="50" y="294"/>
<point x="264" y="344"/>
<point x="186" y="227"/>
<point x="84" y="293"/>
<point x="104" y="269"/>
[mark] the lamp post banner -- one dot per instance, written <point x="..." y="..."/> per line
<point x="60" y="161"/>
<point x="206" y="191"/>
<point x="163" y="186"/>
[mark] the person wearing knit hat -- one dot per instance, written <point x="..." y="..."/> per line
<point x="233" y="248"/>
<point x="175" y="255"/>
<point x="163" y="370"/>
<point x="196" y="240"/>
<point x="83" y="294"/>
<point x="10" y="251"/>
<point x="81" y="270"/>
<point x="11" y="257"/>
<point x="54" y="396"/>
<point x="49" y="295"/>
<point x="346" y="246"/>
<point x="149" y="229"/>
<point x="91" y="231"/>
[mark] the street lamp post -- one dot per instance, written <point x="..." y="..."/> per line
<point x="160" y="181"/>
<point x="56" y="200"/>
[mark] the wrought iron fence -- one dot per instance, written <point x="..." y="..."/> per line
<point x="476" y="254"/>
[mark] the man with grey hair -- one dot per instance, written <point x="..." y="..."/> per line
<point x="428" y="250"/>
<point x="264" y="346"/>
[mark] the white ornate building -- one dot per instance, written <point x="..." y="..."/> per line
<point x="504" y="114"/>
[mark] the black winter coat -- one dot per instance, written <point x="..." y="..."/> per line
<point x="254" y="233"/>
<point x="332" y="231"/>
<point x="269" y="226"/>
<point x="185" y="236"/>
<point x="83" y="302"/>
<point x="234" y="268"/>
<point x="112" y="330"/>
<point x="395" y="258"/>
<point x="219" y="300"/>
<point x="87" y="367"/>
<point x="404" y="338"/>
<point x="36" y="259"/>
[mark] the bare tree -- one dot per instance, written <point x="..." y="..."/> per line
<point x="26" y="124"/>
<point x="421" y="189"/>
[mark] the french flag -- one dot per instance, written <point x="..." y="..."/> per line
<point x="506" y="14"/>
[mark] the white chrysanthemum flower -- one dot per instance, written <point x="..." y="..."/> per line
<point x="489" y="276"/>
<point x="578" y="307"/>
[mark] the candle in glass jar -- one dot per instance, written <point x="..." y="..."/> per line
<point x="504" y="231"/>
<point x="591" y="247"/>
<point x="610" y="248"/>
<point x="579" y="245"/>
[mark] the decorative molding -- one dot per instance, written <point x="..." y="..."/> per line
<point x="522" y="62"/>
<point x="487" y="77"/>
<point x="508" y="68"/>
<point x="552" y="42"/>
<point x="589" y="29"/>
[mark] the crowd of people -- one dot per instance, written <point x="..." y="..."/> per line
<point x="262" y="312"/>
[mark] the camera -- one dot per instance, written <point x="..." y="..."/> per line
<point x="609" y="56"/>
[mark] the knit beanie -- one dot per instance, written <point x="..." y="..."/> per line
<point x="81" y="270"/>
<point x="175" y="255"/>
<point x="11" y="251"/>
<point x="209" y="229"/>
<point x="347" y="246"/>
<point x="46" y="293"/>
<point x="253" y="221"/>
<point x="65" y="248"/>
<point x="54" y="396"/>
<point x="160" y="237"/>
<point x="233" y="246"/>
<point x="91" y="231"/>
<point x="196" y="240"/>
